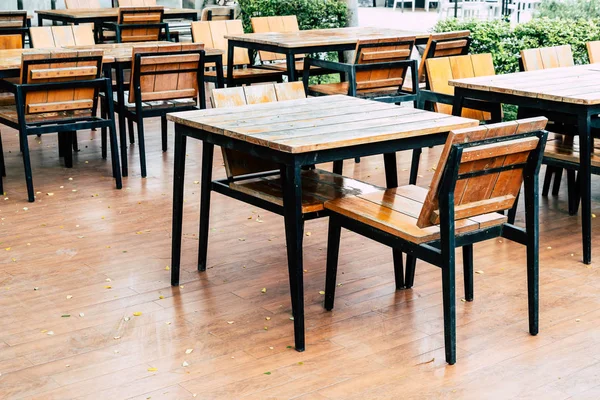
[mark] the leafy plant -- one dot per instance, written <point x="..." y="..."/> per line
<point x="569" y="9"/>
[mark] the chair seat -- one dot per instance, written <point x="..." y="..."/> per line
<point x="282" y="66"/>
<point x="245" y="73"/>
<point x="342" y="88"/>
<point x="318" y="186"/>
<point x="9" y="113"/>
<point x="396" y="211"/>
<point x="566" y="148"/>
<point x="156" y="104"/>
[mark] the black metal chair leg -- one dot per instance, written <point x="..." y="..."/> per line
<point x="398" y="269"/>
<point x="411" y="263"/>
<point x="61" y="144"/>
<point x="207" y="162"/>
<point x="142" y="144"/>
<point x="557" y="178"/>
<point x="103" y="131"/>
<point x="333" y="250"/>
<point x="414" y="166"/>
<point x="512" y="213"/>
<point x="573" y="199"/>
<point x="2" y="164"/>
<point x="27" y="166"/>
<point x="357" y="160"/>
<point x="68" y="152"/>
<point x="547" y="180"/>
<point x="532" y="232"/>
<point x="338" y="167"/>
<point x="163" y="131"/>
<point x="130" y="129"/>
<point x="468" y="271"/>
<point x="74" y="142"/>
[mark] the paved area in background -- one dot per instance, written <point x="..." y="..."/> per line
<point x="389" y="18"/>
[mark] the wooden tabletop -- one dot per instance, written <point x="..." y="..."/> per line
<point x="324" y="37"/>
<point x="113" y="52"/>
<point x="578" y="85"/>
<point x="104" y="12"/>
<point x="319" y="123"/>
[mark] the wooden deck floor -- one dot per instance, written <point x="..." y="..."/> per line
<point x="100" y="255"/>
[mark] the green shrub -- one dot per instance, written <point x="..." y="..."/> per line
<point x="311" y="14"/>
<point x="569" y="9"/>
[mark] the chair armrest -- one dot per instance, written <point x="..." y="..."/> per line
<point x="332" y="65"/>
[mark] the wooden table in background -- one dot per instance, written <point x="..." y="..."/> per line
<point x="100" y="15"/>
<point x="571" y="90"/>
<point x="294" y="134"/>
<point x="312" y="41"/>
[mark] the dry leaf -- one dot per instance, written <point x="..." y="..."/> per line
<point x="185" y="364"/>
<point x="263" y="290"/>
<point x="322" y="292"/>
<point x="266" y="328"/>
<point x="107" y="287"/>
<point x="479" y="272"/>
<point x="137" y="313"/>
<point x="189" y="351"/>
<point x="108" y="280"/>
<point x="50" y="333"/>
<point x="230" y="322"/>
<point x="81" y="314"/>
<point x="167" y="268"/>
<point x="308" y="233"/>
<point x="69" y="297"/>
<point x="152" y="369"/>
<point x="125" y="319"/>
<point x="117" y="337"/>
<point x="268" y="318"/>
<point x="270" y="347"/>
<point x="36" y="288"/>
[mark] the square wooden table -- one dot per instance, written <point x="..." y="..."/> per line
<point x="98" y="16"/>
<point x="311" y="41"/>
<point x="572" y="90"/>
<point x="296" y="134"/>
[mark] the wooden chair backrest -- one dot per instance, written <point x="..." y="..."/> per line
<point x="46" y="37"/>
<point x="137" y="3"/>
<point x="593" y="50"/>
<point x="286" y="23"/>
<point x="61" y="66"/>
<point x="496" y="191"/>
<point x="382" y="51"/>
<point x="441" y="70"/>
<point x="547" y="57"/>
<point x="137" y="16"/>
<point x="79" y="4"/>
<point x="11" y="41"/>
<point x="443" y="45"/>
<point x="212" y="34"/>
<point x="166" y="76"/>
<point x="217" y="13"/>
<point x="238" y="163"/>
<point x="13" y="19"/>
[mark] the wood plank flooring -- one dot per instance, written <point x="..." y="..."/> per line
<point x="100" y="255"/>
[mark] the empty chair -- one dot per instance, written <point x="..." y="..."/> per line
<point x="401" y="2"/>
<point x="78" y="4"/>
<point x="379" y="71"/>
<point x="212" y="35"/>
<point x="58" y="92"/>
<point x="164" y="78"/>
<point x="13" y="29"/>
<point x="217" y="13"/>
<point x="139" y="24"/>
<point x="593" y="50"/>
<point x="47" y="37"/>
<point x="479" y="174"/>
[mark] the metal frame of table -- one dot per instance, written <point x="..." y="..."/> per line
<point x="583" y="113"/>
<point x="291" y="167"/>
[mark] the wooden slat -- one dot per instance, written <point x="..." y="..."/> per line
<point x="11" y="42"/>
<point x="49" y="73"/>
<point x="289" y="91"/>
<point x="260" y="94"/>
<point x="59" y="106"/>
<point x="437" y="40"/>
<point x="77" y="4"/>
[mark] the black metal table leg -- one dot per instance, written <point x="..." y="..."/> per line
<point x="207" y="161"/>
<point x="291" y="66"/>
<point x="391" y="170"/>
<point x="178" y="181"/>
<point x="584" y="122"/>
<point x="121" y="112"/>
<point x="294" y="228"/>
<point x="230" y="55"/>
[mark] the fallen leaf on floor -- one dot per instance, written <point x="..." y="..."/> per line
<point x="69" y="296"/>
<point x="308" y="233"/>
<point x="7" y="249"/>
<point x="577" y="320"/>
<point x="152" y="369"/>
<point x="50" y="333"/>
<point x="167" y="268"/>
<point x="196" y="182"/>
<point x="108" y="280"/>
<point x="167" y="323"/>
<point x="549" y="247"/>
<point x="117" y="337"/>
<point x="242" y="239"/>
<point x="300" y="363"/>
<point x="107" y="287"/>
<point x="185" y="364"/>
<point x="263" y="290"/>
<point x="479" y="272"/>
<point x="291" y="318"/>
<point x="161" y="297"/>
<point x="65" y="315"/>
<point x="36" y="288"/>
<point x="340" y="284"/>
<point x="137" y="313"/>
<point x="126" y="319"/>
<point x="427" y="362"/>
<point x="288" y="347"/>
<point x="230" y="322"/>
<point x="268" y="318"/>
<point x="322" y="292"/>
<point x="270" y="347"/>
<point x="81" y="314"/>
<point x="267" y="373"/>
<point x="266" y="328"/>
<point x="50" y="194"/>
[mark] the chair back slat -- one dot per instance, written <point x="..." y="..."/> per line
<point x="61" y="66"/>
<point x="490" y="173"/>
<point x="13" y="19"/>
<point x="443" y="45"/>
<point x="382" y="51"/>
<point x="81" y="4"/>
<point x="212" y="34"/>
<point x="593" y="50"/>
<point x="8" y="42"/>
<point x="45" y="37"/>
<point x="140" y="16"/>
<point x="137" y="3"/>
<point x="13" y="28"/>
<point x="547" y="57"/>
<point x="238" y="163"/>
<point x="166" y="76"/>
<point x="443" y="69"/>
<point x="285" y="23"/>
<point x="217" y="13"/>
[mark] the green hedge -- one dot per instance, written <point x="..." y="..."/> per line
<point x="570" y="9"/>
<point x="505" y="43"/>
<point x="312" y="14"/>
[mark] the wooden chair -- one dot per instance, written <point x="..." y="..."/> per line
<point x="58" y="92"/>
<point x="546" y="58"/>
<point x="50" y="37"/>
<point x="13" y="29"/>
<point x="212" y="34"/>
<point x="593" y="50"/>
<point x="378" y="72"/>
<point x="401" y="2"/>
<point x="164" y="78"/>
<point x="82" y="4"/>
<point x="276" y="61"/>
<point x="217" y="13"/>
<point x="438" y="95"/>
<point x="257" y="181"/>
<point x="479" y="174"/>
<point x="139" y="24"/>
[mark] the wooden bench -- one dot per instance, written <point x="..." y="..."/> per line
<point x="58" y="92"/>
<point x="260" y="179"/>
<point x="164" y="78"/>
<point x="378" y="72"/>
<point x="479" y="174"/>
<point x="212" y="34"/>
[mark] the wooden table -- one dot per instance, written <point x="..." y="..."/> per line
<point x="117" y="57"/>
<point x="98" y="16"/>
<point x="572" y="90"/>
<point x="297" y="133"/>
<point x="311" y="41"/>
